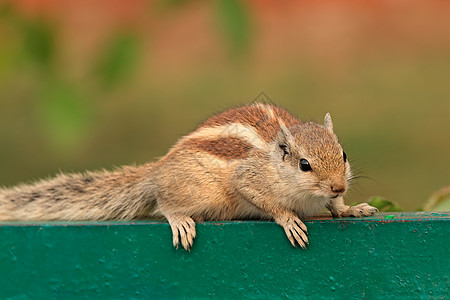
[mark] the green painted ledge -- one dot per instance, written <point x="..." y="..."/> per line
<point x="381" y="257"/>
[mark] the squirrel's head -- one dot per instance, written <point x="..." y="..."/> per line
<point x="311" y="159"/>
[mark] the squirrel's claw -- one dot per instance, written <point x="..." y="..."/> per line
<point x="360" y="210"/>
<point x="183" y="229"/>
<point x="295" y="231"/>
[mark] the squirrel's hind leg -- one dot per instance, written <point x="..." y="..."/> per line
<point x="183" y="228"/>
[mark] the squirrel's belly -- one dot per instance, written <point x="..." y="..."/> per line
<point x="226" y="208"/>
<point x="310" y="206"/>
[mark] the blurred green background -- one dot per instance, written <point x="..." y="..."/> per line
<point x="99" y="84"/>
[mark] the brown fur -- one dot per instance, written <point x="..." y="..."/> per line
<point x="225" y="148"/>
<point x="240" y="164"/>
<point x="257" y="117"/>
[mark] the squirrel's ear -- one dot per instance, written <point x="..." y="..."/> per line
<point x="286" y="135"/>
<point x="328" y="122"/>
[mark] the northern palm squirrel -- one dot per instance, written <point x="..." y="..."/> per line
<point x="253" y="161"/>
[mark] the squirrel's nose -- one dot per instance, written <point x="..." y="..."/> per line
<point x="338" y="187"/>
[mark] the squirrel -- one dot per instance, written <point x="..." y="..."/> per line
<point x="255" y="161"/>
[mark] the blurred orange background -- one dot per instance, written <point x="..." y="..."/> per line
<point x="97" y="84"/>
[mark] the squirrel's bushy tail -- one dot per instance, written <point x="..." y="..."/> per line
<point x="124" y="194"/>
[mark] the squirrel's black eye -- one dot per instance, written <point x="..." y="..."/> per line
<point x="345" y="156"/>
<point x="304" y="165"/>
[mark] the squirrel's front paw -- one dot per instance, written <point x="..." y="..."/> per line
<point x="360" y="210"/>
<point x="295" y="230"/>
<point x="183" y="227"/>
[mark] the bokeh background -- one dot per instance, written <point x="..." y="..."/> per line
<point x="92" y="84"/>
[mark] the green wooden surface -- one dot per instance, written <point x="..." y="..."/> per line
<point x="379" y="257"/>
